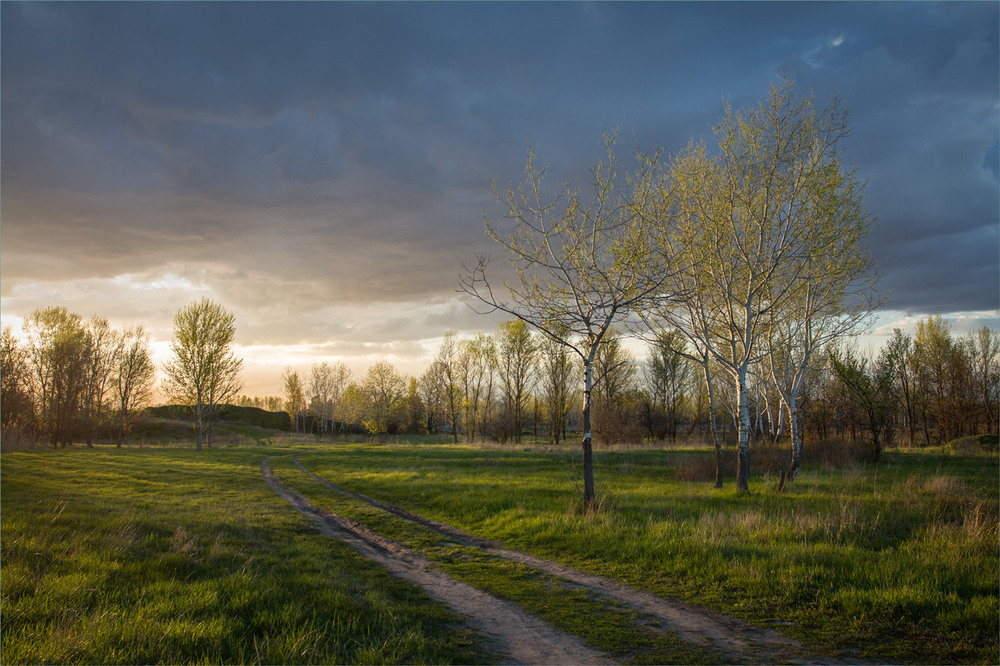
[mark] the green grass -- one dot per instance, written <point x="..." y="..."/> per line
<point x="600" y="623"/>
<point x="897" y="562"/>
<point x="167" y="556"/>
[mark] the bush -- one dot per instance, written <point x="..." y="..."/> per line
<point x="772" y="459"/>
<point x="975" y="444"/>
<point x="231" y="413"/>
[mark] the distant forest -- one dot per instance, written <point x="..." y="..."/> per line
<point x="917" y="390"/>
<point x="71" y="380"/>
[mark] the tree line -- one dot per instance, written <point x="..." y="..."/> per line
<point x="72" y="379"/>
<point x="916" y="390"/>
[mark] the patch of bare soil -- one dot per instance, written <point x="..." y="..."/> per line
<point x="523" y="638"/>
<point x="741" y="641"/>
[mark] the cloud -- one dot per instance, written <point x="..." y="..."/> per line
<point x="321" y="168"/>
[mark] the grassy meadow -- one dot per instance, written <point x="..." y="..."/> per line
<point x="165" y="555"/>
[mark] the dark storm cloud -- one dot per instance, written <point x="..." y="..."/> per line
<point x="327" y="153"/>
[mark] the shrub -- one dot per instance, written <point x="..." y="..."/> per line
<point x="771" y="459"/>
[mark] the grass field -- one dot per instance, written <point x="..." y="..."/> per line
<point x="164" y="555"/>
<point x="167" y="556"/>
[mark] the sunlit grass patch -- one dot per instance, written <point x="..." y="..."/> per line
<point x="598" y="621"/>
<point x="898" y="561"/>
<point x="168" y="556"/>
<point x="142" y="556"/>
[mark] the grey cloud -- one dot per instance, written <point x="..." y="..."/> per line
<point x="302" y="159"/>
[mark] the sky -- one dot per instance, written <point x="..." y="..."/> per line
<point x="322" y="169"/>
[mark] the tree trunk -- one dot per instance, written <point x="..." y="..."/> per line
<point x="121" y="428"/>
<point x="714" y="426"/>
<point x="588" y="455"/>
<point x="201" y="430"/>
<point x="795" y="425"/>
<point x="743" y="465"/>
<point x="781" y="424"/>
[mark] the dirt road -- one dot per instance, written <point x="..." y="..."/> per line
<point x="739" y="641"/>
<point x="522" y="637"/>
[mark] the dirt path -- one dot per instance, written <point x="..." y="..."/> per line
<point x="523" y="638"/>
<point x="740" y="640"/>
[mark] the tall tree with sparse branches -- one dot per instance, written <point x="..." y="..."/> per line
<point x="772" y="226"/>
<point x="517" y="351"/>
<point x="205" y="371"/>
<point x="133" y="375"/>
<point x="294" y="395"/>
<point x="581" y="263"/>
<point x="100" y="343"/>
<point x="56" y="343"/>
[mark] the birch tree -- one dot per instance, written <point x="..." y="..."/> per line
<point x="580" y="263"/>
<point x="833" y="297"/>
<point x="833" y="281"/>
<point x="319" y="387"/>
<point x="758" y="221"/>
<point x="327" y="383"/>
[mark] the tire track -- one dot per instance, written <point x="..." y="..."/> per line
<point x="522" y="637"/>
<point x="739" y="640"/>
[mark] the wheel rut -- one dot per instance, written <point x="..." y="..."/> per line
<point x="523" y="638"/>
<point x="740" y="641"/>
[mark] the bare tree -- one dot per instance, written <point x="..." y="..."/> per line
<point x="446" y="362"/>
<point x="100" y="344"/>
<point x="474" y="363"/>
<point x="667" y="373"/>
<point x="16" y="409"/>
<point x="556" y="377"/>
<point x="904" y="386"/>
<point x="321" y="387"/>
<point x="431" y="390"/>
<point x="204" y="373"/>
<point x="517" y="352"/>
<point x="581" y="265"/>
<point x="132" y="377"/>
<point x="614" y="385"/>
<point x="984" y="347"/>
